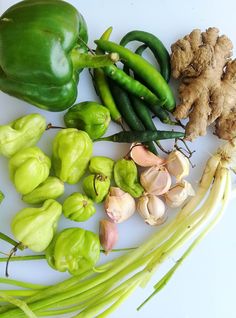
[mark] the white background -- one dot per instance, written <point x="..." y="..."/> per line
<point x="205" y="285"/>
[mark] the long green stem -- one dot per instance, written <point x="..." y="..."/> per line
<point x="19" y="303"/>
<point x="184" y="233"/>
<point x="8" y="239"/>
<point x="18" y="283"/>
<point x="42" y="256"/>
<point x="23" y="258"/>
<point x="98" y="305"/>
<point x="165" y="279"/>
<point x="19" y="293"/>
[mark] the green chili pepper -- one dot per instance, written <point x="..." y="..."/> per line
<point x="126" y="177"/>
<point x="21" y="133"/>
<point x="102" y="86"/>
<point x="155" y="45"/>
<point x="72" y="150"/>
<point x="101" y="165"/>
<point x="91" y="117"/>
<point x="145" y="70"/>
<point x="78" y="207"/>
<point x="28" y="168"/>
<point x="44" y="69"/>
<point x="51" y="188"/>
<point x="35" y="227"/>
<point x="96" y="186"/>
<point x="74" y="250"/>
<point x="142" y="136"/>
<point x="126" y="109"/>
<point x="157" y="110"/>
<point x="131" y="85"/>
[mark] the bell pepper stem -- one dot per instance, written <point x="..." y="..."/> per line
<point x="83" y="60"/>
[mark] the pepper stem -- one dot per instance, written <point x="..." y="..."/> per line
<point x="9" y="240"/>
<point x="87" y="60"/>
<point x="12" y="252"/>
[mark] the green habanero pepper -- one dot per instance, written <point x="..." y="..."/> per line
<point x="78" y="207"/>
<point x="51" y="188"/>
<point x="96" y="186"/>
<point x="126" y="177"/>
<point x="21" y="133"/>
<point x="89" y="116"/>
<point x="72" y="150"/>
<point x="44" y="69"/>
<point x="35" y="227"/>
<point x="74" y="250"/>
<point x="28" y="168"/>
<point x="101" y="165"/>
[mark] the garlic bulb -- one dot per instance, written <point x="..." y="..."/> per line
<point x="156" y="180"/>
<point x="143" y="157"/>
<point x="119" y="205"/>
<point x="178" y="194"/>
<point x="108" y="235"/>
<point x="177" y="165"/>
<point x="152" y="209"/>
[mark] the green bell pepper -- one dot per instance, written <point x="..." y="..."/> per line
<point x="74" y="250"/>
<point x="42" y="51"/>
<point x="35" y="227"/>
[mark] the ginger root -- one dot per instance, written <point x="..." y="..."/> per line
<point x="208" y="83"/>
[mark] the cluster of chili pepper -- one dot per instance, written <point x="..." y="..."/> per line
<point x="135" y="99"/>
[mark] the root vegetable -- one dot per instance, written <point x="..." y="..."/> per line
<point x="208" y="83"/>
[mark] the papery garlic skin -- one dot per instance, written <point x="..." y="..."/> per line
<point x="108" y="234"/>
<point x="119" y="205"/>
<point x="143" y="157"/>
<point x="178" y="194"/>
<point x="156" y="180"/>
<point x="152" y="209"/>
<point x="177" y="165"/>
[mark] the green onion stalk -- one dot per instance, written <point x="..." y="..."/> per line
<point x="97" y="293"/>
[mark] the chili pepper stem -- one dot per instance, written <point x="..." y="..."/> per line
<point x="86" y="60"/>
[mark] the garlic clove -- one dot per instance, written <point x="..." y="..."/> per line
<point x="108" y="235"/>
<point x="143" y="157"/>
<point x="178" y="194"/>
<point x="152" y="209"/>
<point x="156" y="180"/>
<point x="177" y="165"/>
<point x="119" y="205"/>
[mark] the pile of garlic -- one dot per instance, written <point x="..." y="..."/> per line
<point x="156" y="177"/>
<point x="156" y="180"/>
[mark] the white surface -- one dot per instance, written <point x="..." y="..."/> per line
<point x="205" y="284"/>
